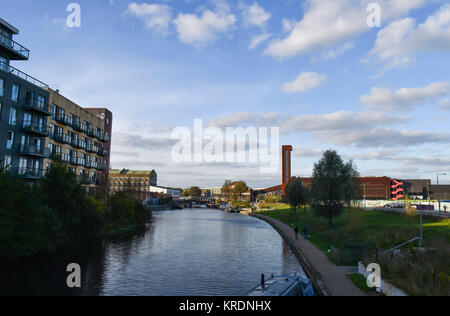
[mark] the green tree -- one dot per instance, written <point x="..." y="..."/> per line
<point x="226" y="190"/>
<point x="240" y="188"/>
<point x="195" y="192"/>
<point x="22" y="218"/>
<point x="296" y="194"/>
<point x="71" y="214"/>
<point x="331" y="181"/>
<point x="351" y="186"/>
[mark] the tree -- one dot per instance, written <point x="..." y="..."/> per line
<point x="351" y="186"/>
<point x="22" y="218"/>
<point x="296" y="194"/>
<point x="226" y="190"/>
<point x="195" y="192"/>
<point x="240" y="187"/>
<point x="332" y="185"/>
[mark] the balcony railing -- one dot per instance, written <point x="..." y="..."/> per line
<point x="16" y="72"/>
<point x="35" y="128"/>
<point x="37" y="105"/>
<point x="34" y="151"/>
<point x="14" y="46"/>
<point x="30" y="173"/>
<point x="86" y="180"/>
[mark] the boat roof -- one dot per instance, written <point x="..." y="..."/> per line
<point x="275" y="286"/>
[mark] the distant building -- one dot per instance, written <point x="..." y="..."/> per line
<point x="175" y="193"/>
<point x="135" y="181"/>
<point x="212" y="192"/>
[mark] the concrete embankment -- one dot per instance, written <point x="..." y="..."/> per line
<point x="328" y="279"/>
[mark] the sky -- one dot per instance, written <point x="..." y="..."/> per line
<point x="379" y="95"/>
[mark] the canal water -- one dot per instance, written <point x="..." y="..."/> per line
<point x="190" y="252"/>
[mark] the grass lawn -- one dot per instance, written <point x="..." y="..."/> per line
<point x="417" y="273"/>
<point x="361" y="282"/>
<point x="372" y="229"/>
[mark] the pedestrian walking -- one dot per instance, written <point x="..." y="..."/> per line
<point x="296" y="232"/>
<point x="305" y="232"/>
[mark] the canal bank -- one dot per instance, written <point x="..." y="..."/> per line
<point x="328" y="279"/>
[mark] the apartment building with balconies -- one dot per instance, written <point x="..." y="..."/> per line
<point x="80" y="137"/>
<point x="23" y="110"/>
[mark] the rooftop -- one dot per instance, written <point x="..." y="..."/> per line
<point x="127" y="172"/>
<point x="8" y="27"/>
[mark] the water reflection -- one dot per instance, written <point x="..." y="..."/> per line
<point x="189" y="252"/>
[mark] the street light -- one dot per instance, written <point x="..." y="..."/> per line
<point x="439" y="193"/>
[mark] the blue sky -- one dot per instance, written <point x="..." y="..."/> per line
<point x="379" y="96"/>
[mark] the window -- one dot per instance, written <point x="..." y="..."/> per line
<point x="40" y="101"/>
<point x="2" y="87"/>
<point x="7" y="162"/>
<point x="15" y="93"/>
<point x="12" y="116"/>
<point x="23" y="164"/>
<point x="53" y="111"/>
<point x="10" y="140"/>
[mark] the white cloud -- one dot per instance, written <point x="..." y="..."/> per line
<point x="257" y="40"/>
<point x="333" y="53"/>
<point x="329" y="22"/>
<point x="363" y="130"/>
<point x="200" y="30"/>
<point x="245" y="118"/>
<point x="288" y="25"/>
<point x="156" y="16"/>
<point x="383" y="137"/>
<point x="338" y="121"/>
<point x="255" y="15"/>
<point x="445" y="104"/>
<point x="400" y="41"/>
<point x="405" y="98"/>
<point x="304" y="82"/>
<point x="307" y="153"/>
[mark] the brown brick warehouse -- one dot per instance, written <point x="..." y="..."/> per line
<point x="369" y="188"/>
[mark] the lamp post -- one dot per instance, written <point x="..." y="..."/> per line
<point x="439" y="193"/>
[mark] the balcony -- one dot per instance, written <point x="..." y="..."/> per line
<point x="74" y="142"/>
<point x="76" y="126"/>
<point x="86" y="180"/>
<point x="30" y="173"/>
<point x="90" y="132"/>
<point x="73" y="160"/>
<point x="82" y="145"/>
<point x="16" y="72"/>
<point x="103" y="152"/>
<point x="34" y="151"/>
<point x="29" y="127"/>
<point x="13" y="49"/>
<point x="37" y="106"/>
<point x="63" y="119"/>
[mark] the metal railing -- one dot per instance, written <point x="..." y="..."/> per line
<point x="30" y="173"/>
<point x="16" y="72"/>
<point x="34" y="150"/>
<point x="13" y="45"/>
<point x="28" y="126"/>
<point x="36" y="104"/>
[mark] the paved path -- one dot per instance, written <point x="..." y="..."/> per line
<point x="331" y="278"/>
